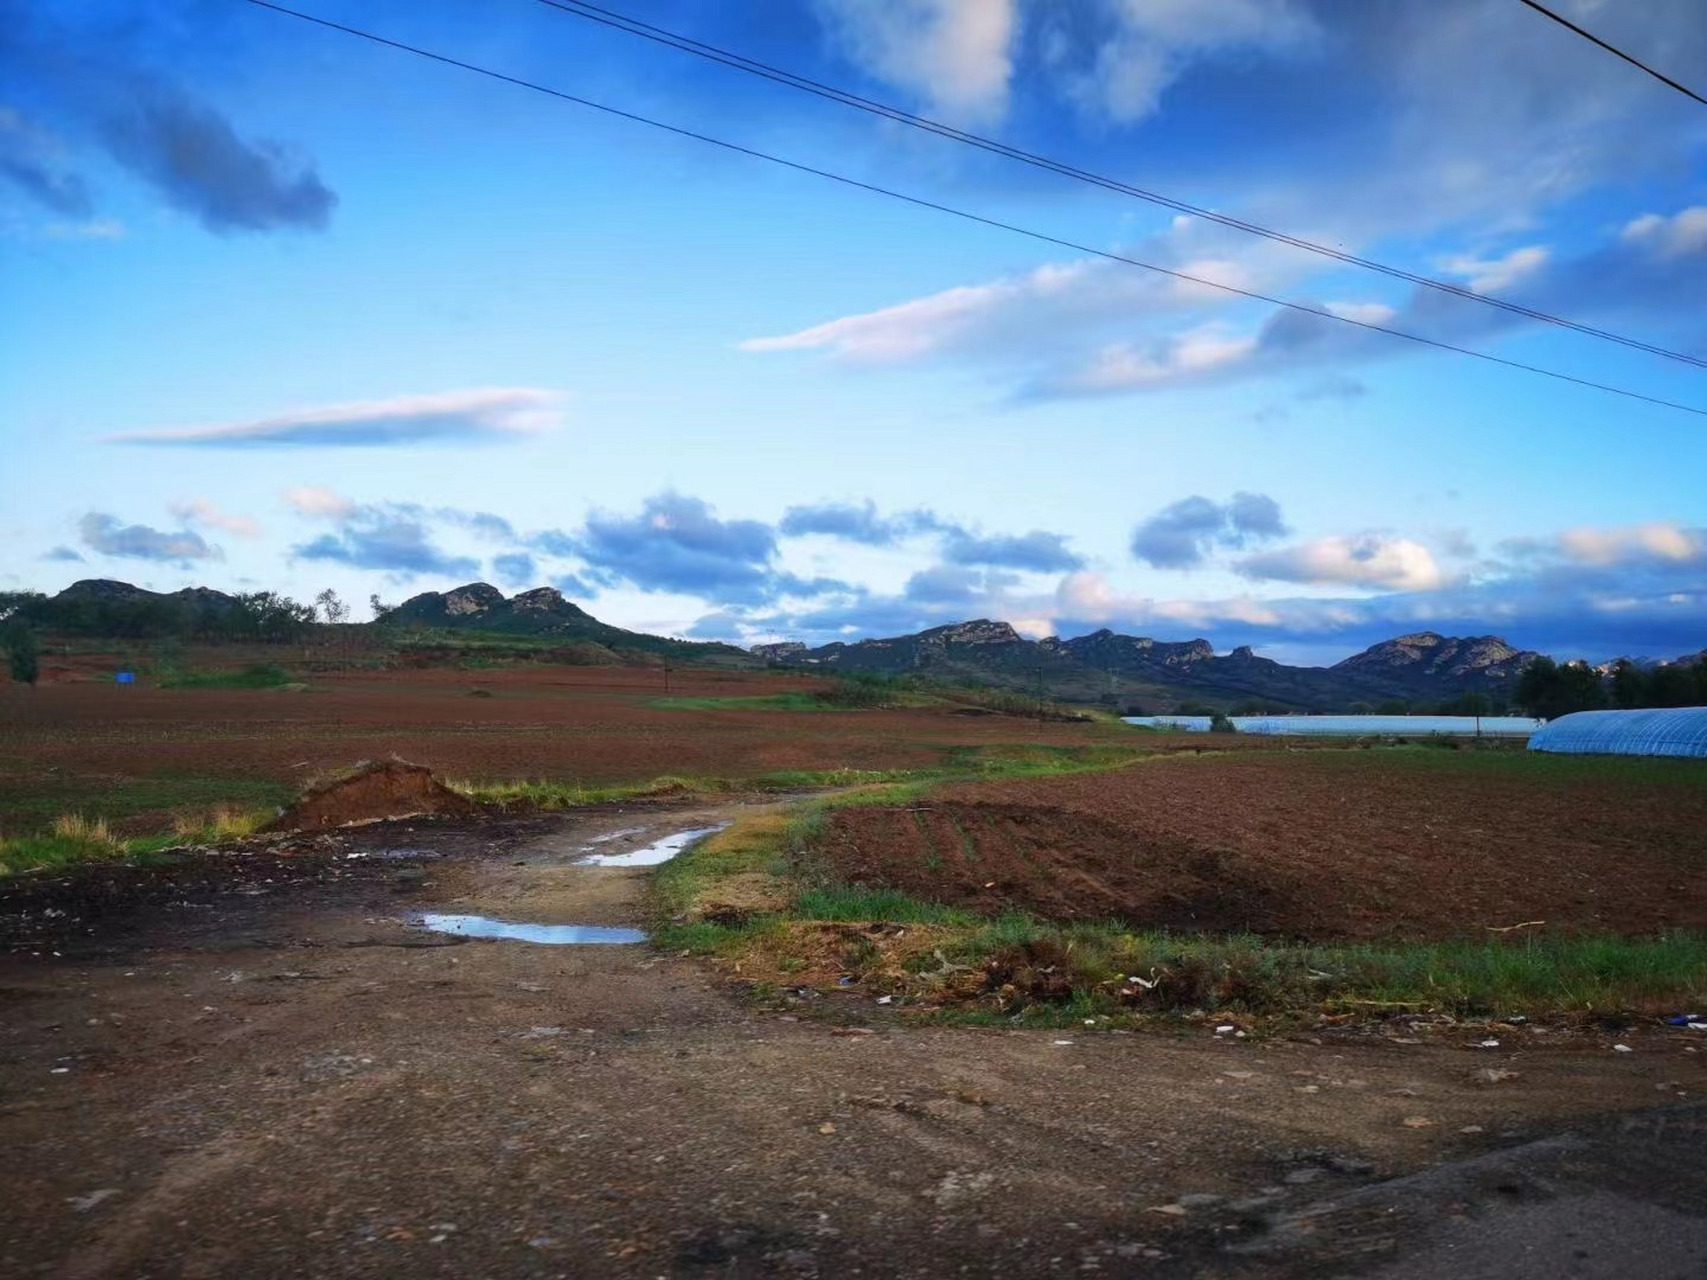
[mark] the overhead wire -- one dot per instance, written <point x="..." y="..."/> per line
<point x="967" y="215"/>
<point x="1613" y="49"/>
<point x="633" y="26"/>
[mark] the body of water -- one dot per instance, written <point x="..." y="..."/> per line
<point x="1355" y="726"/>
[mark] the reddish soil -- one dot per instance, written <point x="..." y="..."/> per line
<point x="1324" y="845"/>
<point x="369" y="792"/>
<point x="71" y="741"/>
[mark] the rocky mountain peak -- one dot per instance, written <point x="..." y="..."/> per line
<point x="476" y="597"/>
<point x="979" y="631"/>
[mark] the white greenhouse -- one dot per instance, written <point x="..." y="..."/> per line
<point x="1672" y="731"/>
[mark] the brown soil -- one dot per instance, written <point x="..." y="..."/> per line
<point x="592" y="725"/>
<point x="370" y="791"/>
<point x="250" y="1065"/>
<point x="1328" y="845"/>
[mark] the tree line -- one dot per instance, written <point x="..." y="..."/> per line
<point x="1549" y="689"/>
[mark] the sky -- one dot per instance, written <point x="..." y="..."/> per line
<point x="287" y="309"/>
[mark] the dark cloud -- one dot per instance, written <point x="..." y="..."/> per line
<point x="678" y="543"/>
<point x="83" y="77"/>
<point x="28" y="162"/>
<point x="65" y="554"/>
<point x="191" y="155"/>
<point x="104" y="533"/>
<point x="724" y="626"/>
<point x="483" y="523"/>
<point x="1036" y="551"/>
<point x="375" y="539"/>
<point x="475" y="416"/>
<point x="957" y="584"/>
<point x="840" y="520"/>
<point x="515" y="569"/>
<point x="573" y="585"/>
<point x="1182" y="534"/>
<point x="860" y="523"/>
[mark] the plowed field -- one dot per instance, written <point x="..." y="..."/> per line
<point x="1322" y="845"/>
<point x="79" y="745"/>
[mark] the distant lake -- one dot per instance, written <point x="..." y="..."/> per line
<point x="1354" y="726"/>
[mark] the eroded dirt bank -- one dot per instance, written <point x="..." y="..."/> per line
<point x="256" y="1067"/>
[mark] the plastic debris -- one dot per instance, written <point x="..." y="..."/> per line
<point x="1622" y="1048"/>
<point x="1226" y="1029"/>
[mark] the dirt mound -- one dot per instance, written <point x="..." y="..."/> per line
<point x="371" y="791"/>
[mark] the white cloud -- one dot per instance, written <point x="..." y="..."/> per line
<point x="1129" y="366"/>
<point x="201" y="511"/>
<point x="475" y="415"/>
<point x="955" y="54"/>
<point x="1361" y="560"/>
<point x="319" y="502"/>
<point x="1149" y="44"/>
<point x="1682" y="233"/>
<point x="1663" y="543"/>
<point x="1490" y="275"/>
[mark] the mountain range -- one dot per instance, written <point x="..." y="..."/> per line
<point x="1128" y="672"/>
<point x="1123" y="670"/>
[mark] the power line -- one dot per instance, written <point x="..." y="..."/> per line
<point x="1614" y="50"/>
<point x="739" y="62"/>
<point x="965" y="215"/>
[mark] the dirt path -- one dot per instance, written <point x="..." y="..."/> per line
<point x="262" y="1069"/>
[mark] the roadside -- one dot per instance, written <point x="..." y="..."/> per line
<point x="255" y="1065"/>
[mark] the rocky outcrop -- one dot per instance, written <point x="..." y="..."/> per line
<point x="544" y="612"/>
<point x="1428" y="652"/>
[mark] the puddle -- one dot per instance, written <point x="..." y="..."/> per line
<point x="659" y="851"/>
<point x="549" y="934"/>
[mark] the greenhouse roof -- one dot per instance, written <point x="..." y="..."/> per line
<point x="1671" y="731"/>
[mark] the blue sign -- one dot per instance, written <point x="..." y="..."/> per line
<point x="126" y="677"/>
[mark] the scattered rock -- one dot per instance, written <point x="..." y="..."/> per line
<point x="1492" y="1075"/>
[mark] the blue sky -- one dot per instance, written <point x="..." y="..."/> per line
<point x="288" y="309"/>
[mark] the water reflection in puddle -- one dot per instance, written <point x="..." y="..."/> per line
<point x="549" y="934"/>
<point x="659" y="851"/>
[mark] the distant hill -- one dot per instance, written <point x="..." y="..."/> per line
<point x="1102" y="667"/>
<point x="542" y="612"/>
<point x="1106" y="666"/>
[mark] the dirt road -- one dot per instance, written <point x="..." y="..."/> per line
<point x="257" y="1066"/>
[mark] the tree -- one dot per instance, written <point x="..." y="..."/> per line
<point x="1629" y="685"/>
<point x="332" y="609"/>
<point x="1548" y="690"/>
<point x="379" y="607"/>
<point x="20" y="643"/>
<point x="1394" y="707"/>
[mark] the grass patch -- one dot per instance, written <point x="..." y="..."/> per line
<point x="73" y="838"/>
<point x="261" y="675"/>
<point x="873" y="786"/>
<point x="765" y="702"/>
<point x="32" y="805"/>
